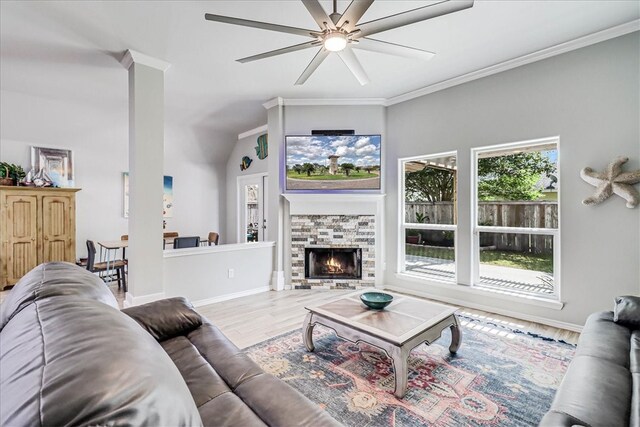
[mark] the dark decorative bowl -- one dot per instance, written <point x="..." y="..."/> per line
<point x="376" y="300"/>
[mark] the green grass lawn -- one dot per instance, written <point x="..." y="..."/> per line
<point x="338" y="177"/>
<point x="543" y="263"/>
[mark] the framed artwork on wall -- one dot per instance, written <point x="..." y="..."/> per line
<point x="56" y="162"/>
<point x="167" y="196"/>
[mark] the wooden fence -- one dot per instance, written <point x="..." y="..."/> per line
<point x="538" y="214"/>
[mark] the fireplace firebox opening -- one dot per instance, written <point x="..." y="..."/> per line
<point x="333" y="263"/>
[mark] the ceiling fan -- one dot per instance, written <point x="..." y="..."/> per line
<point x="340" y="33"/>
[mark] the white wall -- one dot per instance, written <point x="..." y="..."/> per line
<point x="98" y="135"/>
<point x="243" y="147"/>
<point x="202" y="274"/>
<point x="590" y="99"/>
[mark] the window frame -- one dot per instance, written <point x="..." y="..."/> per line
<point x="477" y="229"/>
<point x="403" y="226"/>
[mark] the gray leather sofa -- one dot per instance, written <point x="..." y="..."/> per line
<point x="68" y="356"/>
<point x="602" y="385"/>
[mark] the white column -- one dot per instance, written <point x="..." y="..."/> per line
<point x="275" y="204"/>
<point x="146" y="163"/>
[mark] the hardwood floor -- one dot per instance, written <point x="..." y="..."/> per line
<point x="250" y="320"/>
<point x="253" y="319"/>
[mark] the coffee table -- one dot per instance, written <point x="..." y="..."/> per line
<point x="406" y="323"/>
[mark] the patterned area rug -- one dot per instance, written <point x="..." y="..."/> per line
<point x="501" y="376"/>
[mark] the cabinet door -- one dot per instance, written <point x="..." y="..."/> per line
<point x="57" y="233"/>
<point x="21" y="236"/>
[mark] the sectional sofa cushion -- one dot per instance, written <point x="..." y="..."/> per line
<point x="67" y="358"/>
<point x="627" y="311"/>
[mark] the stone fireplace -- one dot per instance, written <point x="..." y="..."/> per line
<point x="334" y="241"/>
<point x="348" y="239"/>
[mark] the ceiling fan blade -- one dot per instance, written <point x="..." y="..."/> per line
<point x="315" y="62"/>
<point x="391" y="48"/>
<point x="351" y="61"/>
<point x="318" y="13"/>
<point x="352" y="15"/>
<point x="261" y="25"/>
<point x="412" y="16"/>
<point x="276" y="52"/>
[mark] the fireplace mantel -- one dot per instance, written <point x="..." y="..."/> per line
<point x="335" y="204"/>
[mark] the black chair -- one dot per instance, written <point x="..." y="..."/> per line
<point x="186" y="242"/>
<point x="98" y="267"/>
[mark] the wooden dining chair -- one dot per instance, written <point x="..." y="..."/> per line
<point x="124" y="250"/>
<point x="213" y="238"/>
<point x="98" y="267"/>
<point x="168" y="235"/>
<point x="186" y="242"/>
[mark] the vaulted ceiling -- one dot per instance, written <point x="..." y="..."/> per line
<point x="70" y="50"/>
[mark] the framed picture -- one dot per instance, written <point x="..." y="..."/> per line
<point x="167" y="196"/>
<point x="56" y="162"/>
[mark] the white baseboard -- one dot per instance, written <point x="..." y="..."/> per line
<point x="514" y="314"/>
<point x="234" y="295"/>
<point x="131" y="300"/>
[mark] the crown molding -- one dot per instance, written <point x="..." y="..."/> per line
<point x="600" y="36"/>
<point x="132" y="56"/>
<point x="259" y="129"/>
<point x="558" y="49"/>
<point x="273" y="102"/>
<point x="335" y="101"/>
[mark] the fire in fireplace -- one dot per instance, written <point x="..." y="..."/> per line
<point x="333" y="263"/>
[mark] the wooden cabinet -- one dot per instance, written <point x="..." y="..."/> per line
<point x="36" y="225"/>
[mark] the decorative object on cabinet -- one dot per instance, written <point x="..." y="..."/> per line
<point x="262" y="147"/>
<point x="10" y="174"/>
<point x="42" y="179"/>
<point x="246" y="162"/>
<point x="37" y="225"/>
<point x="167" y="196"/>
<point x="55" y="162"/>
<point x="612" y="181"/>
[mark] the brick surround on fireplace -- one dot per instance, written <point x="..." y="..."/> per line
<point x="335" y="231"/>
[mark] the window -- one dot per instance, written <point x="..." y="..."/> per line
<point x="510" y="241"/>
<point x="515" y="218"/>
<point x="429" y="216"/>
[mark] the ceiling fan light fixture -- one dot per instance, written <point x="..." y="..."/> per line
<point x="335" y="41"/>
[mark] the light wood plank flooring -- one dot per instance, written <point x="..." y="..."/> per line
<point x="256" y="318"/>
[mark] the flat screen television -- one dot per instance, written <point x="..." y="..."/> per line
<point x="332" y="163"/>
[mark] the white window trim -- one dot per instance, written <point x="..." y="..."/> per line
<point x="476" y="229"/>
<point x="403" y="226"/>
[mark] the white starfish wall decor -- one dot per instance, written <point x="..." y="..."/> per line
<point x="613" y="181"/>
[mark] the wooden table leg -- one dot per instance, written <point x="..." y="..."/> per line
<point x="399" y="355"/>
<point x="307" y="332"/>
<point x="456" y="335"/>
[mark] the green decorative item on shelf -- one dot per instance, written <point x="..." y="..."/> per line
<point x="246" y="162"/>
<point x="10" y="174"/>
<point x="376" y="300"/>
<point x="262" y="149"/>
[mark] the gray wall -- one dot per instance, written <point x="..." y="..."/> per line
<point x="590" y="99"/>
<point x="243" y="147"/>
<point x="366" y="119"/>
<point x="98" y="135"/>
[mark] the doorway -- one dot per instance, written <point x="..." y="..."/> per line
<point x="252" y="218"/>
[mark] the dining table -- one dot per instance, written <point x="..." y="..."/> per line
<point x="109" y="249"/>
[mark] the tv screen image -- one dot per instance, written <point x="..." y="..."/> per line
<point x="344" y="162"/>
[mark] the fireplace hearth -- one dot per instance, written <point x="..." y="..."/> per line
<point x="333" y="263"/>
